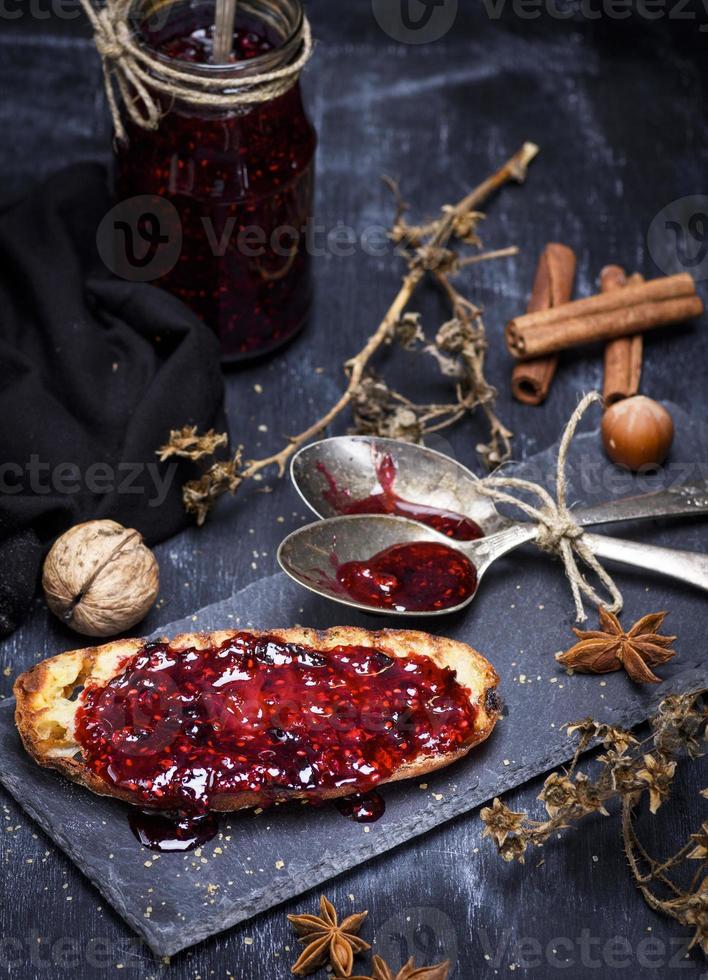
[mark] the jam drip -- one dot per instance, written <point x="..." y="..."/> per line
<point x="363" y="807"/>
<point x="180" y="728"/>
<point x="419" y="577"/>
<point x="387" y="501"/>
<point x="165" y="833"/>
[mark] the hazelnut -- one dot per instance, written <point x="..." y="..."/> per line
<point x="637" y="432"/>
<point x="100" y="579"/>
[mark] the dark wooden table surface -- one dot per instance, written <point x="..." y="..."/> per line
<point x="617" y="106"/>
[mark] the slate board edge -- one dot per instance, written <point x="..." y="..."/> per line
<point x="436" y="814"/>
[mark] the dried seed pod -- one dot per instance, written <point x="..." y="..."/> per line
<point x="637" y="432"/>
<point x="100" y="579"/>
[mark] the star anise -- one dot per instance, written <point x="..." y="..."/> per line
<point x="611" y="648"/>
<point x="382" y="971"/>
<point x="327" y="940"/>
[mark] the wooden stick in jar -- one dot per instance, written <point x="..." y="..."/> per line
<point x="623" y="356"/>
<point x="225" y="19"/>
<point x="621" y="313"/>
<point x="553" y="285"/>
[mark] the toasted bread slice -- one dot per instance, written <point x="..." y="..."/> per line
<point x="49" y="695"/>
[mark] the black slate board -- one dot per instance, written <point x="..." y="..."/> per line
<point x="261" y="859"/>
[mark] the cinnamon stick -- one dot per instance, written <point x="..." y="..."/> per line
<point x="623" y="356"/>
<point x="553" y="285"/>
<point x="665" y="287"/>
<point x="620" y="313"/>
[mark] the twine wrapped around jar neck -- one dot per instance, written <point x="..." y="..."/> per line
<point x="135" y="76"/>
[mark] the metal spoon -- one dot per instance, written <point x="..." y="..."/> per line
<point x="424" y="476"/>
<point x="427" y="477"/>
<point x="312" y="554"/>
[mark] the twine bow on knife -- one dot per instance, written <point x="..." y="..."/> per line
<point x="136" y="77"/>
<point x="558" y="533"/>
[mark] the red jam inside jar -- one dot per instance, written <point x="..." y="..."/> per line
<point x="240" y="179"/>
<point x="177" y="728"/>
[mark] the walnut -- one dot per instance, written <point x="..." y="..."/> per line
<point x="100" y="579"/>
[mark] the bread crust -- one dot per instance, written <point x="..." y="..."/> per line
<point x="45" y="708"/>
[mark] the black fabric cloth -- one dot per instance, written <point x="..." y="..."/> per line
<point x="94" y="372"/>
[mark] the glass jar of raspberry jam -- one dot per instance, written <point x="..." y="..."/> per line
<point x="241" y="178"/>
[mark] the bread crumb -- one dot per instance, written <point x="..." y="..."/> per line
<point x="280" y="865"/>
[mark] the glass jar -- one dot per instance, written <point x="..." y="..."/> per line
<point x="240" y="178"/>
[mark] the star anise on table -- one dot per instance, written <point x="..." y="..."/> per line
<point x="612" y="648"/>
<point x="382" y="971"/>
<point x="327" y="940"/>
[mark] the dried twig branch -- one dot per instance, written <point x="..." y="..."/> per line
<point x="629" y="769"/>
<point x="426" y="251"/>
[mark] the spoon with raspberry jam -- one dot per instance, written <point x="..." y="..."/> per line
<point x="415" y="537"/>
<point x="393" y="565"/>
<point x="349" y="475"/>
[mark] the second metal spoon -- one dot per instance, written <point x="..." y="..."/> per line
<point x="312" y="554"/>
